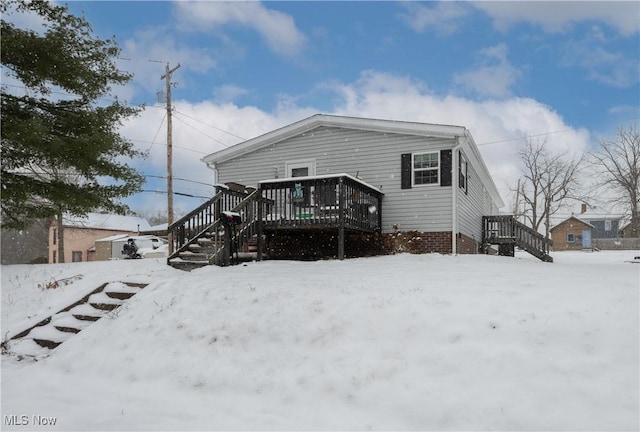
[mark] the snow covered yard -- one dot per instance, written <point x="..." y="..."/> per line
<point x="407" y="342"/>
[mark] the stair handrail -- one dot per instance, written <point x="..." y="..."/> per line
<point x="528" y="238"/>
<point x="205" y="205"/>
<point x="508" y="227"/>
<point x="186" y="230"/>
<point x="248" y="210"/>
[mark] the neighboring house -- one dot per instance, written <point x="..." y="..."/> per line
<point x="80" y="234"/>
<point x="27" y="246"/>
<point x="429" y="179"/>
<point x="605" y="226"/>
<point x="627" y="231"/>
<point x="572" y="234"/>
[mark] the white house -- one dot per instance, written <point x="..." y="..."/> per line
<point x="432" y="176"/>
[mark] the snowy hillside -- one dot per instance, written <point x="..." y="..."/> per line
<point x="400" y="342"/>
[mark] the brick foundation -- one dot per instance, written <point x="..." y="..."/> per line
<point x="312" y="245"/>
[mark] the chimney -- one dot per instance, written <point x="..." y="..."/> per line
<point x="584" y="208"/>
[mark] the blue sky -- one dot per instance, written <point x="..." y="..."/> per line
<point x="567" y="72"/>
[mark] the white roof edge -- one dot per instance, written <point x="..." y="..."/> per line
<point x="293" y="129"/>
<point x="323" y="176"/>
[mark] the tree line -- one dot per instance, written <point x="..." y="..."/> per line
<point x="550" y="180"/>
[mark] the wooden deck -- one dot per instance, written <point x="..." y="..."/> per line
<point x="338" y="201"/>
<point x="333" y="202"/>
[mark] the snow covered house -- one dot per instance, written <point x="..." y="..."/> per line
<point x="343" y="186"/>
<point x="81" y="233"/>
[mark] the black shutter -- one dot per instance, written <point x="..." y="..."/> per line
<point x="445" y="167"/>
<point x="405" y="170"/>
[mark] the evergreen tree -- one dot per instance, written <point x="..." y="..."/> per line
<point x="61" y="151"/>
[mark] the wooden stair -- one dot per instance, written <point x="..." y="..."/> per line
<point x="54" y="330"/>
<point x="506" y="232"/>
<point x="203" y="238"/>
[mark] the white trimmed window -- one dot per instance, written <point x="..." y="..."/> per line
<point x="426" y="168"/>
<point x="571" y="238"/>
<point x="607" y="225"/>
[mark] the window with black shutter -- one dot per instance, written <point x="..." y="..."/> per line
<point x="405" y="171"/>
<point x="445" y="170"/>
<point x="428" y="168"/>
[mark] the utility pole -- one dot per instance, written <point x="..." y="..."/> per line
<point x="167" y="78"/>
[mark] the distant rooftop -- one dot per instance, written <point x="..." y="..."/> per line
<point x="108" y="222"/>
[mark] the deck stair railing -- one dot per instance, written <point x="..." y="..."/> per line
<point x="205" y="219"/>
<point x="236" y="236"/>
<point x="506" y="232"/>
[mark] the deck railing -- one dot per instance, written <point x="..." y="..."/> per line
<point x="250" y="209"/>
<point x="332" y="201"/>
<point x="506" y="230"/>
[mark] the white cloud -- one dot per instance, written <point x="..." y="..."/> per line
<point x="229" y="92"/>
<point x="493" y="76"/>
<point x="443" y="18"/>
<point x="608" y="67"/>
<point x="559" y="16"/>
<point x="498" y="126"/>
<point x="198" y="129"/>
<point x="146" y="54"/>
<point x="278" y="29"/>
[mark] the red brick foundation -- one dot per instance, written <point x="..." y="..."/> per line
<point x="312" y="245"/>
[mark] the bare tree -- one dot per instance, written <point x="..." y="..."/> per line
<point x="548" y="181"/>
<point x="617" y="163"/>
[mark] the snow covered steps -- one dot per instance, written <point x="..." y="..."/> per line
<point x="61" y="326"/>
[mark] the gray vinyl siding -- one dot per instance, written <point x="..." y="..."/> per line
<point x="470" y="205"/>
<point x="599" y="231"/>
<point x="374" y="156"/>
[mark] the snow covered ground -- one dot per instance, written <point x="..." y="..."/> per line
<point x="407" y="342"/>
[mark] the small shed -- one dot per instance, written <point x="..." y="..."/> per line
<point x="572" y="234"/>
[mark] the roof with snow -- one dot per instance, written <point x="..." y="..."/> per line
<point x="593" y="216"/>
<point x="107" y="222"/>
<point x="568" y="220"/>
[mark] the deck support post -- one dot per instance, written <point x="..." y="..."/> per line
<point x="259" y="227"/>
<point x="341" y="221"/>
<point x="226" y="249"/>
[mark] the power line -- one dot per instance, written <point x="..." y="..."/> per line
<point x="154" y="140"/>
<point x="524" y="137"/>
<point x="176" y="146"/>
<point x="176" y="193"/>
<point x="203" y="133"/>
<point x="211" y="126"/>
<point x="541" y="134"/>
<point x="180" y="179"/>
